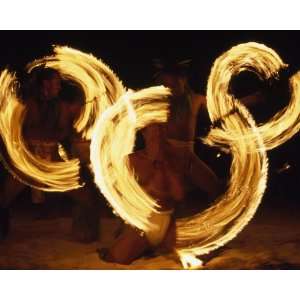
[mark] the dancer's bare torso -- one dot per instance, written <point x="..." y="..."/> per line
<point x="42" y="123"/>
<point x="154" y="165"/>
<point x="44" y="126"/>
<point x="157" y="180"/>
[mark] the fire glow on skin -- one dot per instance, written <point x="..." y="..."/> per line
<point x="211" y="229"/>
<point x="101" y="88"/>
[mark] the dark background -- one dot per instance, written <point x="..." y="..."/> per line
<point x="130" y="54"/>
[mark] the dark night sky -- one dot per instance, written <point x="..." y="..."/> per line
<point x="129" y="53"/>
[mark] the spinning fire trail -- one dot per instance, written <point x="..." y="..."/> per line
<point x="220" y="223"/>
<point x="110" y="118"/>
<point x="101" y="87"/>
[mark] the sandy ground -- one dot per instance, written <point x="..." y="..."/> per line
<point x="270" y="241"/>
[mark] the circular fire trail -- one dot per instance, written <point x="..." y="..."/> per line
<point x="101" y="88"/>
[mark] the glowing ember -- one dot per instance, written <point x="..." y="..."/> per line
<point x="190" y="262"/>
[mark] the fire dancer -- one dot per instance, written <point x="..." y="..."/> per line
<point x="49" y="121"/>
<point x="168" y="167"/>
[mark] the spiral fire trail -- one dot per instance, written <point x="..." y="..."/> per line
<point x="266" y="64"/>
<point x="224" y="220"/>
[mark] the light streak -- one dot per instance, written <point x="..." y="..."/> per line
<point x="189" y="261"/>
<point x="99" y="83"/>
<point x="265" y="63"/>
<point x="112" y="125"/>
<point x="247" y="183"/>
<point x="29" y="169"/>
<point x="113" y="140"/>
<point x="101" y="88"/>
<point x="115" y="131"/>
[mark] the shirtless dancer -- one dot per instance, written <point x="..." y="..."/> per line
<point x="171" y="165"/>
<point x="49" y="120"/>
